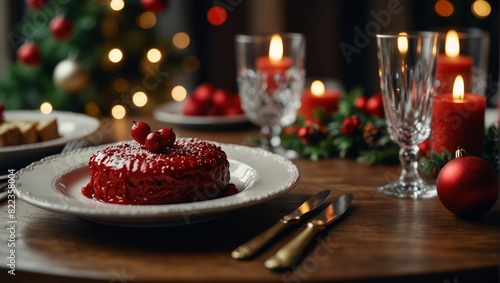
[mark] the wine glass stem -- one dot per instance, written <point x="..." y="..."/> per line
<point x="270" y="137"/>
<point x="408" y="156"/>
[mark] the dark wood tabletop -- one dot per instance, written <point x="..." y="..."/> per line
<point x="381" y="239"/>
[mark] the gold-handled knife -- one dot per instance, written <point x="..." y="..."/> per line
<point x="291" y="252"/>
<point x="251" y="247"/>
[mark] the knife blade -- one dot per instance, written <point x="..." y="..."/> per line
<point x="292" y="251"/>
<point x="256" y="244"/>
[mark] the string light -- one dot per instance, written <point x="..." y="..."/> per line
<point x="92" y="109"/>
<point x="444" y="8"/>
<point x="216" y="15"/>
<point x="117" y="5"/>
<point x="118" y="112"/>
<point x="146" y="20"/>
<point x="140" y="99"/>
<point x="115" y="55"/>
<point x="190" y="64"/>
<point x="120" y="84"/>
<point x="181" y="40"/>
<point x="179" y="93"/>
<point x="481" y="9"/>
<point x="46" y="108"/>
<point x="154" y="55"/>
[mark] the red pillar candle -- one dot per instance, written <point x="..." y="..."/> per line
<point x="317" y="97"/>
<point x="458" y="121"/>
<point x="452" y="64"/>
<point x="275" y="63"/>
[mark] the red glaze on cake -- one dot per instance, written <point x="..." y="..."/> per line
<point x="127" y="173"/>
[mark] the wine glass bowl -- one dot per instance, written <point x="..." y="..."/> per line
<point x="270" y="88"/>
<point x="406" y="69"/>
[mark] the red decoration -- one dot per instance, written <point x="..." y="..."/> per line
<point x="36" y="4"/>
<point x="468" y="186"/>
<point x="155" y="6"/>
<point x="168" y="136"/>
<point x="2" y="110"/>
<point x="360" y="103"/>
<point x="29" y="54"/>
<point x="61" y="27"/>
<point x="375" y="106"/>
<point x="154" y="142"/>
<point x="206" y="100"/>
<point x="216" y="15"/>
<point x="350" y="125"/>
<point x="139" y="131"/>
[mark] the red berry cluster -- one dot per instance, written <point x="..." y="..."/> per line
<point x="206" y="100"/>
<point x="312" y="131"/>
<point x="153" y="141"/>
<point x="372" y="106"/>
<point x="350" y="125"/>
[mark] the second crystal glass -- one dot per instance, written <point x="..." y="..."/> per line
<point x="407" y="69"/>
<point x="270" y="76"/>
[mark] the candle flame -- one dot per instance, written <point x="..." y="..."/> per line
<point x="317" y="88"/>
<point x="452" y="45"/>
<point x="276" y="48"/>
<point x="458" y="88"/>
<point x="402" y="42"/>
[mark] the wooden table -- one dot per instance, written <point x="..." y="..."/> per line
<point x="382" y="239"/>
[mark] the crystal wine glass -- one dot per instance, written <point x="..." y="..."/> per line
<point x="271" y="77"/>
<point x="406" y="69"/>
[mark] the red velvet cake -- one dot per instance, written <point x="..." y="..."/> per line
<point x="127" y="173"/>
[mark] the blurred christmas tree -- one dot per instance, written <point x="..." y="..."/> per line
<point x="85" y="56"/>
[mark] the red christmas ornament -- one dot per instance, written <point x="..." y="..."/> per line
<point x="29" y="54"/>
<point x="155" y="6"/>
<point x="61" y="27"/>
<point x="360" y="103"/>
<point x="36" y="4"/>
<point x="467" y="185"/>
<point x="375" y="106"/>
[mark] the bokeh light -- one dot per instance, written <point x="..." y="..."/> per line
<point x="120" y="84"/>
<point x="117" y="5"/>
<point x="179" y="93"/>
<point x="216" y="15"/>
<point x="444" y="8"/>
<point x="154" y="55"/>
<point x="109" y="27"/>
<point x="181" y="40"/>
<point x="140" y="99"/>
<point x="46" y="107"/>
<point x="92" y="109"/>
<point x="190" y="64"/>
<point x="481" y="9"/>
<point x="118" y="111"/>
<point x="146" y="20"/>
<point x="115" y="55"/>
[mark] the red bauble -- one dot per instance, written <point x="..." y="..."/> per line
<point x="375" y="106"/>
<point x="360" y="103"/>
<point x="36" y="4"/>
<point x="155" y="6"/>
<point x="468" y="186"/>
<point x="29" y="54"/>
<point x="61" y="27"/>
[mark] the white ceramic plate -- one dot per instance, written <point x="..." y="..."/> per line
<point x="171" y="112"/>
<point x="71" y="126"/>
<point x="54" y="183"/>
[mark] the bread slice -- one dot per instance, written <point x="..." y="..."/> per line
<point x="47" y="129"/>
<point x="28" y="131"/>
<point x="9" y="134"/>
